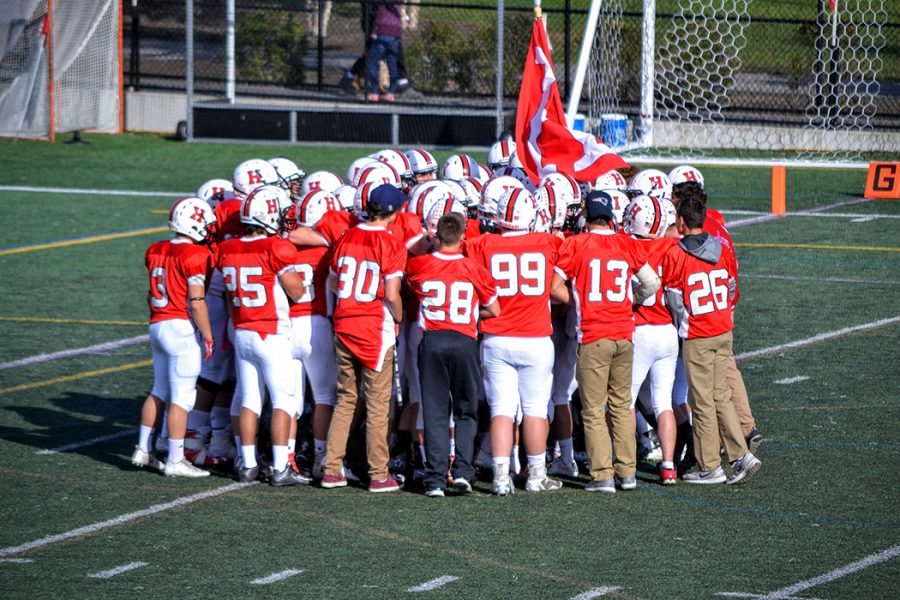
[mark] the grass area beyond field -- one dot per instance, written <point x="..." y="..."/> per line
<point x="828" y="408"/>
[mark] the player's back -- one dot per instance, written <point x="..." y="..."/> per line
<point x="228" y="219"/>
<point x="312" y="263"/>
<point x="172" y="266"/>
<point x="653" y="311"/>
<point x="363" y="257"/>
<point x="333" y="224"/>
<point x="521" y="265"/>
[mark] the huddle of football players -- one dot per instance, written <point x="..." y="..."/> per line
<point x="507" y="314"/>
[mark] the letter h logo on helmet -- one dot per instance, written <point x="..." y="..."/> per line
<point x="198" y="214"/>
<point x="253" y="177"/>
<point x="272" y="206"/>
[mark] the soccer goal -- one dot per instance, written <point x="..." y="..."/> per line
<point x="60" y="67"/>
<point x="738" y="80"/>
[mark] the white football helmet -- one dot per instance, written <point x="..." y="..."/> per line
<point x="517" y="173"/>
<point x="422" y="162"/>
<point x="425" y="195"/>
<point x="193" y="217"/>
<point x="651" y="182"/>
<point x="483" y="174"/>
<point x="669" y="213"/>
<point x="325" y="181"/>
<point x="441" y="208"/>
<point x="400" y="163"/>
<point x="494" y="189"/>
<point x="514" y="160"/>
<point x="377" y="172"/>
<point x="287" y="169"/>
<point x="357" y="165"/>
<point x="215" y="191"/>
<point x="345" y="195"/>
<point x="265" y="207"/>
<point x="471" y="192"/>
<point x="315" y="204"/>
<point x="611" y="180"/>
<point x="644" y="217"/>
<point x="620" y="202"/>
<point x="460" y="166"/>
<point x="252" y="174"/>
<point x="499" y="154"/>
<point x="516" y="210"/>
<point x="361" y="200"/>
<point x="556" y="193"/>
<point x="685" y="173"/>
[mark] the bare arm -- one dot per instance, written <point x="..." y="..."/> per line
<point x="559" y="291"/>
<point x="199" y="312"/>
<point x="392" y="298"/>
<point x="490" y="311"/>
<point x="292" y="284"/>
<point x="306" y="236"/>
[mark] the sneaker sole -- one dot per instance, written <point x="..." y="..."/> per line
<point x="393" y="488"/>
<point x="710" y="481"/>
<point x="745" y="475"/>
<point x="600" y="490"/>
<point x="331" y="486"/>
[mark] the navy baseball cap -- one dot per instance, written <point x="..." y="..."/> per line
<point x="386" y="198"/>
<point x="598" y="205"/>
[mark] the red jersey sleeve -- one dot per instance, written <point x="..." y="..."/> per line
<point x="565" y="264"/>
<point x="283" y="255"/>
<point x="485" y="288"/>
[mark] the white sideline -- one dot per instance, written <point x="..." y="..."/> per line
<point x="433" y="584"/>
<point x="821" y="337"/>
<point x="794" y="379"/>
<point x="92" y="192"/>
<point x="104" y="347"/>
<point x="90" y="442"/>
<point x="757" y="596"/>
<point x="820" y="279"/>
<point x="121" y="520"/>
<point x="864" y="563"/>
<point x="800" y="213"/>
<point x="16" y="561"/>
<point x="839" y="215"/>
<point x="117" y="570"/>
<point x="595" y="593"/>
<point x="275" y="577"/>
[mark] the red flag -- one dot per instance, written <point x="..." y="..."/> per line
<point x="543" y="142"/>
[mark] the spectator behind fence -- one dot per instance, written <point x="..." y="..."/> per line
<point x="387" y="31"/>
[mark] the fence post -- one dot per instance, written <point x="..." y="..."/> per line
<point x="229" y="51"/>
<point x="499" y="127"/>
<point x="648" y="73"/>
<point x="320" y="44"/>
<point x="189" y="64"/>
<point x="567" y="47"/>
<point x="134" y="77"/>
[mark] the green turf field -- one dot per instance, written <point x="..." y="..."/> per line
<point x="826" y="497"/>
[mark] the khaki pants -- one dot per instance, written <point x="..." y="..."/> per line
<point x="603" y="372"/>
<point x="715" y="418"/>
<point x="739" y="397"/>
<point x="377" y="390"/>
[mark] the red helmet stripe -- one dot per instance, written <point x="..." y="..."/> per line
<point x="510" y="207"/>
<point x="551" y="200"/>
<point x="657" y="216"/>
<point x="504" y="147"/>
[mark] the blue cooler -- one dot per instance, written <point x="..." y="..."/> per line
<point x="614" y="129"/>
<point x="578" y="123"/>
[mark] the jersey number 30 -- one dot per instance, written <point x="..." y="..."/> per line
<point x="359" y="279"/>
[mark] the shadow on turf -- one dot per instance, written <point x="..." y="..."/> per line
<point x="75" y="418"/>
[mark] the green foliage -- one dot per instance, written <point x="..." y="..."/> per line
<point x="269" y="46"/>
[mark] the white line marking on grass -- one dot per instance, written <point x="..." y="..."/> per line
<point x="16" y="561"/>
<point x="90" y="442"/>
<point x="433" y="584"/>
<point x="747" y="595"/>
<point x="864" y="563"/>
<point x="828" y="335"/>
<point x="104" y="347"/>
<point x="276" y="577"/>
<point x="121" y="520"/>
<point x="863" y="219"/>
<point x="117" y="570"/>
<point x="92" y="192"/>
<point x="800" y="213"/>
<point x="790" y="380"/>
<point x="595" y="593"/>
<point x="820" y="279"/>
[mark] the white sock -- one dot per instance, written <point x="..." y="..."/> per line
<point x="292" y="443"/>
<point x="537" y="466"/>
<point x="667" y="464"/>
<point x="452" y="447"/>
<point x="501" y="464"/>
<point x="198" y="420"/>
<point x="176" y="450"/>
<point x="144" y="435"/>
<point x="279" y="458"/>
<point x="422" y="452"/>
<point x="566" y="450"/>
<point x="515" y="463"/>
<point x="220" y="417"/>
<point x="248" y="454"/>
<point x="320" y="446"/>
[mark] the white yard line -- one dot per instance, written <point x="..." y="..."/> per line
<point x="790" y="380"/>
<point x="16" y="561"/>
<point x="837" y="215"/>
<point x="821" y="337"/>
<point x="92" y="192"/>
<point x="433" y="584"/>
<point x="117" y="570"/>
<point x="85" y="443"/>
<point x="800" y="213"/>
<point x="97" y="348"/>
<point x="820" y="279"/>
<point x="748" y="595"/>
<point x="864" y="563"/>
<point x="276" y="577"/>
<point x="121" y="520"/>
<point x="595" y="593"/>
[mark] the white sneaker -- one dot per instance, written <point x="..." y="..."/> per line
<point x="717" y="475"/>
<point x="139" y="458"/>
<point x="183" y="468"/>
<point x="502" y="484"/>
<point x="743" y="469"/>
<point x="563" y="468"/>
<point x="544" y="484"/>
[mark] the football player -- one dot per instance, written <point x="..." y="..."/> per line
<point x="178" y="269"/>
<point x="422" y="163"/>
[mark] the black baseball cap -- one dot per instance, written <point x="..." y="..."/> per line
<point x="598" y="205"/>
<point x="386" y="198"/>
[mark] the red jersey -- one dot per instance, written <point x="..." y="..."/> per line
<point x="450" y="289"/>
<point x="600" y="264"/>
<point x="407" y="228"/>
<point x="312" y="263"/>
<point x="173" y="265"/>
<point x="703" y="290"/>
<point x="333" y="224"/>
<point x="228" y="219"/>
<point x="716" y="216"/>
<point x="521" y="264"/>
<point x="473" y="230"/>
<point x="714" y="225"/>
<point x="653" y="311"/>
<point x="364" y="258"/>
<point x="250" y="269"/>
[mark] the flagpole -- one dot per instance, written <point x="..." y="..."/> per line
<point x="834" y="24"/>
<point x="590" y="27"/>
<point x="499" y="82"/>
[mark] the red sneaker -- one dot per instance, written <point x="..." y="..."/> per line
<point x="388" y="484"/>
<point x="333" y="481"/>
<point x="667" y="476"/>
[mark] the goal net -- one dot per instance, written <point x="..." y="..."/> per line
<point x="746" y="79"/>
<point x="60" y="67"/>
